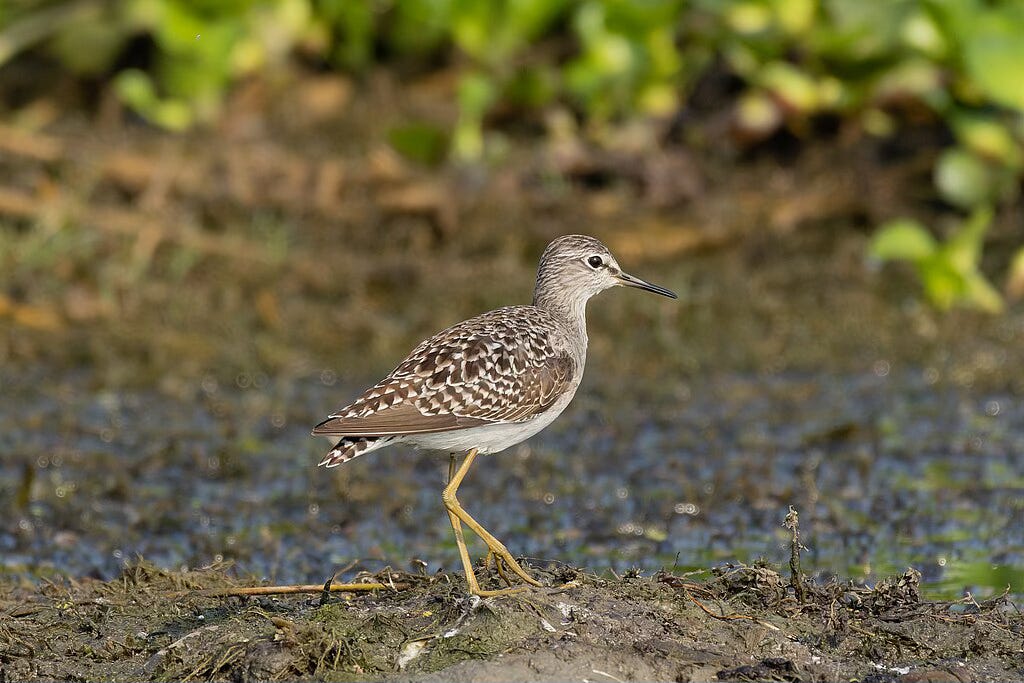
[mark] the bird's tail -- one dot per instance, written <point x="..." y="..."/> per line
<point x="349" y="447"/>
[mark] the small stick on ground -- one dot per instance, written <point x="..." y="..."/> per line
<point x="796" y="577"/>
<point x="727" y="617"/>
<point x="310" y="588"/>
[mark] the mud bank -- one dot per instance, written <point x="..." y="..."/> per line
<point x="729" y="623"/>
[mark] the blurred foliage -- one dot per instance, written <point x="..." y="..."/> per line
<point x="172" y="60"/>
<point x="876" y="65"/>
<point x="949" y="271"/>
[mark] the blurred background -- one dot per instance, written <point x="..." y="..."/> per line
<point x="221" y="220"/>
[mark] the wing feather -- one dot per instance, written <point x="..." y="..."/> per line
<point x="489" y="369"/>
<point x="404" y="418"/>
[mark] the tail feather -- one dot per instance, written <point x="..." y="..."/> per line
<point x="349" y="447"/>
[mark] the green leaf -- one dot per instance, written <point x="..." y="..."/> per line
<point x="476" y="94"/>
<point x="902" y="240"/>
<point x="791" y="85"/>
<point x="987" y="137"/>
<point x="963" y="249"/>
<point x="419" y="26"/>
<point x="921" y="32"/>
<point x="942" y="283"/>
<point x="532" y="87"/>
<point x="355" y="20"/>
<point x="748" y="17"/>
<point x="420" y="142"/>
<point x="980" y="293"/>
<point x="963" y="179"/>
<point x="912" y="77"/>
<point x="794" y="16"/>
<point x="528" y="19"/>
<point x="136" y="89"/>
<point x="951" y="275"/>
<point x="994" y="55"/>
<point x="90" y="46"/>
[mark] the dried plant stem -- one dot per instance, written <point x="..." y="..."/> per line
<point x="308" y="588"/>
<point x="796" y="577"/>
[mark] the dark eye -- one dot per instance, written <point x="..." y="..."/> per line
<point x="595" y="261"/>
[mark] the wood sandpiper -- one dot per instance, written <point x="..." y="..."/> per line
<point x="487" y="383"/>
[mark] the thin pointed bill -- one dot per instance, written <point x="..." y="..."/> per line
<point x="630" y="281"/>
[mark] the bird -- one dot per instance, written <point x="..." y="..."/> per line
<point x="486" y="384"/>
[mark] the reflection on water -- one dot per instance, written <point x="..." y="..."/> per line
<point x="887" y="469"/>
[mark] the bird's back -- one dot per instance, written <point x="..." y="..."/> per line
<point x="508" y="365"/>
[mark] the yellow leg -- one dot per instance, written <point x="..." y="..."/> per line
<point x="457" y="514"/>
<point x="497" y="565"/>
<point x="467" y="565"/>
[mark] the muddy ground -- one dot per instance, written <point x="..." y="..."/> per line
<point x="734" y="623"/>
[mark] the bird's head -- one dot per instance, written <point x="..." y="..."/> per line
<point x="576" y="267"/>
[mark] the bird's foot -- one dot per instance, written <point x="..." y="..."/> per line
<point x="498" y="564"/>
<point x="501" y="563"/>
<point x="502" y="557"/>
<point x="476" y="590"/>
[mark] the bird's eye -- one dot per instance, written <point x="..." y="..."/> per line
<point x="595" y="261"/>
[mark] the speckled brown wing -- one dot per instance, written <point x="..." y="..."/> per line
<point x="489" y="369"/>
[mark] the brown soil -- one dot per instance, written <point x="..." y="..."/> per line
<point x="738" y="623"/>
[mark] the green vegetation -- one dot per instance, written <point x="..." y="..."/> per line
<point x="949" y="271"/>
<point x="880" y="67"/>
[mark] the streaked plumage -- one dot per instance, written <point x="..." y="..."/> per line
<point x="489" y="382"/>
<point x="505" y="366"/>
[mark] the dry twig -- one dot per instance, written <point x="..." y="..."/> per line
<point x="796" y="577"/>
<point x="308" y="588"/>
<point x="728" y="617"/>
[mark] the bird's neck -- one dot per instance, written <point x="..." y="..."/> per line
<point x="570" y="310"/>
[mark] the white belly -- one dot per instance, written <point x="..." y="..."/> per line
<point x="490" y="438"/>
